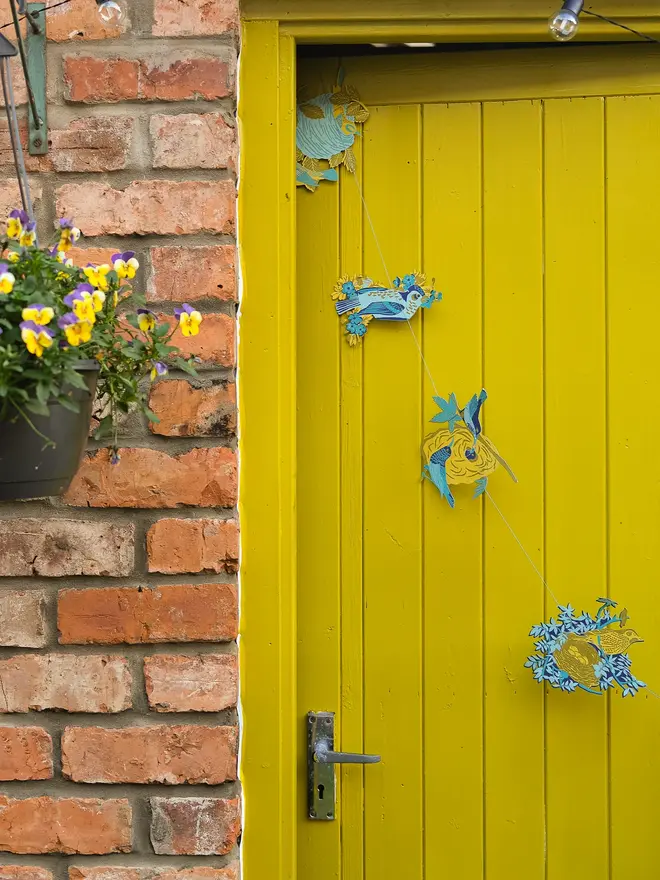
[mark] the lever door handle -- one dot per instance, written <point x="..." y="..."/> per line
<point x="321" y="758"/>
<point x="324" y="755"/>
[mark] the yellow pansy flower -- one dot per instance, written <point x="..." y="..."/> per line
<point x="38" y="313"/>
<point x="36" y="337"/>
<point x="189" y="320"/>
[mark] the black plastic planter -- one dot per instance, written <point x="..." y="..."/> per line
<point x="27" y="469"/>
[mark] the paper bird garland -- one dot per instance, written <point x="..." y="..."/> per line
<point x="326" y="129"/>
<point x="358" y="300"/>
<point x="459" y="452"/>
<point x="581" y="651"/>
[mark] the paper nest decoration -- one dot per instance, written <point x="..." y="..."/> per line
<point x="581" y="651"/>
<point x="358" y="300"/>
<point x="458" y="452"/>
<point x="326" y="129"/>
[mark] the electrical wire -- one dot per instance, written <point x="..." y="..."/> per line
<point x="624" y="27"/>
<point x="28" y="16"/>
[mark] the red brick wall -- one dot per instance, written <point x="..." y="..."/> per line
<point x="118" y="603"/>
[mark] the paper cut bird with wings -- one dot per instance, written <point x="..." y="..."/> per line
<point x="358" y="300"/>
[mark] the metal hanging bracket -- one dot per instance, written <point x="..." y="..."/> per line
<point x="321" y="759"/>
<point x="36" y="67"/>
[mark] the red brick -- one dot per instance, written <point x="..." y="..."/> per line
<point x="147" y="478"/>
<point x="187" y="79"/>
<point x="142" y="755"/>
<point x="84" y="145"/>
<point x="194" y="18"/>
<point x="205" y="683"/>
<point x="100" y="80"/>
<point x="25" y="753"/>
<point x="110" y="872"/>
<point x="91" y="145"/>
<point x="192" y="140"/>
<point x="22" y="623"/>
<point x="88" y="826"/>
<point x="66" y="682"/>
<point x="177" y="613"/>
<point x="188" y="411"/>
<point x="78" y="20"/>
<point x="214" y="344"/>
<point x="192" y="273"/>
<point x="10" y="198"/>
<point x="146" y="207"/>
<point x="90" y="80"/>
<point x="194" y="826"/>
<point x="24" y="872"/>
<point x="182" y="546"/>
<point x="83" y="256"/>
<point x="64" y="547"/>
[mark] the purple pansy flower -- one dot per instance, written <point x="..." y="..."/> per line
<point x="67" y="320"/>
<point x="36" y="328"/>
<point x="78" y="294"/>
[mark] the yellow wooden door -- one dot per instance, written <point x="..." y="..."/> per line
<point x="528" y="183"/>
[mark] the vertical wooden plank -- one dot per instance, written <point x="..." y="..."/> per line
<point x="318" y="495"/>
<point x="287" y="444"/>
<point x="633" y="189"/>
<point x="267" y="481"/>
<point x="515" y="840"/>
<point x="352" y="511"/>
<point x="392" y="514"/>
<point x="453" y="538"/>
<point x="575" y="472"/>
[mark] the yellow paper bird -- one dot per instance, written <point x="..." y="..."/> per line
<point x="612" y="641"/>
<point x="579" y="654"/>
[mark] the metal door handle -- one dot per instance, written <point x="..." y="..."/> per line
<point x="324" y="755"/>
<point x="321" y="757"/>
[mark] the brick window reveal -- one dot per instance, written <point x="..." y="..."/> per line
<point x="118" y="603"/>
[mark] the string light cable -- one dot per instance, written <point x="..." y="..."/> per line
<point x="114" y="5"/>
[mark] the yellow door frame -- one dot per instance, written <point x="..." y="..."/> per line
<point x="271" y="30"/>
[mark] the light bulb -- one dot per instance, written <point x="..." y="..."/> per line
<point x="564" y="25"/>
<point x="111" y="11"/>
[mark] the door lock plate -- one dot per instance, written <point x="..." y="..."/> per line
<point x="320" y="777"/>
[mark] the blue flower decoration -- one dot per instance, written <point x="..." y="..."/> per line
<point x="348" y="289"/>
<point x="408" y="281"/>
<point x="356" y="326"/>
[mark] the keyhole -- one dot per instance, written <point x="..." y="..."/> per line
<point x="321" y="789"/>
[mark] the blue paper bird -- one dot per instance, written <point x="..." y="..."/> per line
<point x="436" y="472"/>
<point x="471" y="414"/>
<point x="387" y="304"/>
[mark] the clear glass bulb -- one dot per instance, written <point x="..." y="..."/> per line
<point x="564" y="25"/>
<point x="112" y="11"/>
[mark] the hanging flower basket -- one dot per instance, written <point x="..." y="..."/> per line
<point x="69" y="336"/>
<point x="30" y="468"/>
